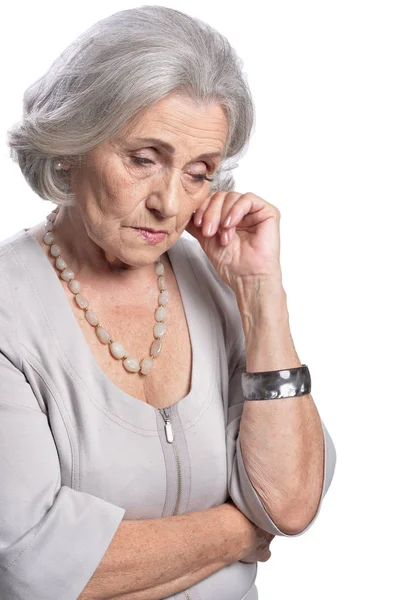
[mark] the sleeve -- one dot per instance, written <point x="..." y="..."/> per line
<point x="52" y="538"/>
<point x="240" y="487"/>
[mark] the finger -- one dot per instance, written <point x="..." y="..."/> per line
<point x="196" y="232"/>
<point x="249" y="210"/>
<point x="226" y="235"/>
<point x="265" y="557"/>
<point x="219" y="206"/>
<point x="201" y="210"/>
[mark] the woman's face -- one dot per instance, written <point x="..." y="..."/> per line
<point x="135" y="182"/>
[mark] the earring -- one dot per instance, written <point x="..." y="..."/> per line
<point x="58" y="166"/>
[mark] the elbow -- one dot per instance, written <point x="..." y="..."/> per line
<point x="292" y="516"/>
<point x="291" y="525"/>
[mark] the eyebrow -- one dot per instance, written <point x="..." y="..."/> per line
<point x="169" y="148"/>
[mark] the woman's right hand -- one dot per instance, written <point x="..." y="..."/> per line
<point x="259" y="551"/>
<point x="256" y="541"/>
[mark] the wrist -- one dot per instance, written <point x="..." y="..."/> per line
<point x="238" y="530"/>
<point x="262" y="304"/>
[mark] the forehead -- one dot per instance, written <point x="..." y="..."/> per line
<point x="176" y="122"/>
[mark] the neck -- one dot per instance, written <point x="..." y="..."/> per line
<point x="94" y="264"/>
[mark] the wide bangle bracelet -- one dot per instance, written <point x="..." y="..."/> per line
<point x="270" y="385"/>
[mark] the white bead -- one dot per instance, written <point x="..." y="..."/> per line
<point x="117" y="350"/>
<point x="159" y="269"/>
<point x="156" y="347"/>
<point x="160" y="313"/>
<point x="74" y="286"/>
<point x="131" y="364"/>
<point x="145" y="365"/>
<point x="55" y="250"/>
<point x="48" y="238"/>
<point x="91" y="317"/>
<point x="67" y="274"/>
<point x="159" y="330"/>
<point x="163" y="298"/>
<point x="103" y="335"/>
<point x="161" y="283"/>
<point x="51" y="216"/>
<point x="81" y="301"/>
<point x="60" y="263"/>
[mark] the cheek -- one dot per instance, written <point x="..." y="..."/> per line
<point x="115" y="190"/>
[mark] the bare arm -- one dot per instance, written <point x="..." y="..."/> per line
<point x="154" y="558"/>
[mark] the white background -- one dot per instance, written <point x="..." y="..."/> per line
<point x="324" y="76"/>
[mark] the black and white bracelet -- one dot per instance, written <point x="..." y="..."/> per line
<point x="271" y="385"/>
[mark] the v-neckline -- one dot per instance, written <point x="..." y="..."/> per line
<point x="177" y="263"/>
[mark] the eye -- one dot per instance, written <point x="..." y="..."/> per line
<point x="141" y="160"/>
<point x="201" y="178"/>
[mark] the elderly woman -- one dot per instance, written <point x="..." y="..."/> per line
<point x="139" y="455"/>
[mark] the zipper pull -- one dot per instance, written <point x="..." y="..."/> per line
<point x="168" y="425"/>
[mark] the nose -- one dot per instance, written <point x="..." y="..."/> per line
<point x="167" y="197"/>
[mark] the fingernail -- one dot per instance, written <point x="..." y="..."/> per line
<point x="227" y="221"/>
<point x="198" y="218"/>
<point x="209" y="229"/>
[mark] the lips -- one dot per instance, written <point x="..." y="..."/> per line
<point x="152" y="238"/>
<point x="152" y="230"/>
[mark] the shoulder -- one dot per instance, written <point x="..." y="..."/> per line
<point x="6" y="247"/>
<point x="13" y="279"/>
<point x="206" y="273"/>
<point x="13" y="252"/>
<point x="9" y="340"/>
<point x="10" y="249"/>
<point x="220" y="295"/>
<point x="195" y="254"/>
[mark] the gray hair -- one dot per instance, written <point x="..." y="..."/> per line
<point x="111" y="73"/>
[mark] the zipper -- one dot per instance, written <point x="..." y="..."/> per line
<point x="165" y="412"/>
<point x="170" y="438"/>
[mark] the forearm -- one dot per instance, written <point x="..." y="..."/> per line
<point x="281" y="440"/>
<point x="154" y="558"/>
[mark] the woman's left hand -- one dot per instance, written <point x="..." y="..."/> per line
<point x="253" y="246"/>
